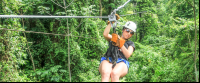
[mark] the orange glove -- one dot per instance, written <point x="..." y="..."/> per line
<point x="120" y="42"/>
<point x="117" y="17"/>
<point x="114" y="37"/>
<point x="116" y="41"/>
<point x="109" y="22"/>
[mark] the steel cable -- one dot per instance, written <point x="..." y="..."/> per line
<point x="46" y="16"/>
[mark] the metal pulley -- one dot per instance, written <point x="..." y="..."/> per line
<point x="112" y="18"/>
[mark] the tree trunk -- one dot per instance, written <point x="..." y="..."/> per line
<point x="141" y="30"/>
<point x="100" y="9"/>
<point x="110" y="1"/>
<point x="195" y="44"/>
<point x="197" y="80"/>
<point x="1" y="11"/>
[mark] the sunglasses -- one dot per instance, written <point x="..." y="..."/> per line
<point x="127" y="30"/>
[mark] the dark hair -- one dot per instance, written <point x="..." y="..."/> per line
<point x="124" y="27"/>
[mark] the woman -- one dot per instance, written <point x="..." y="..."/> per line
<point x="126" y="49"/>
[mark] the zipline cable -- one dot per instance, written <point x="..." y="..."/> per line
<point x="122" y="6"/>
<point x="46" y="16"/>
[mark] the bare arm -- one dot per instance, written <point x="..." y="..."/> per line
<point x="106" y="34"/>
<point x="127" y="52"/>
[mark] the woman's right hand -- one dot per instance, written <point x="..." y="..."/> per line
<point x="114" y="37"/>
<point x="106" y="34"/>
<point x="116" y="41"/>
<point x="117" y="17"/>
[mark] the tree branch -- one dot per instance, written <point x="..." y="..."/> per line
<point x="190" y="4"/>
<point x="181" y="48"/>
<point x="69" y="4"/>
<point x="57" y="4"/>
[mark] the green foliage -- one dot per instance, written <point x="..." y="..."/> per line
<point x="165" y="40"/>
<point x="92" y="74"/>
<point x="13" y="52"/>
<point x="54" y="74"/>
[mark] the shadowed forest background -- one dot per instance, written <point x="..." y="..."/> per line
<point x="167" y="40"/>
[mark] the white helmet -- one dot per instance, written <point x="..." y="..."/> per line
<point x="130" y="25"/>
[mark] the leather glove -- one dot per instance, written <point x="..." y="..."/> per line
<point x="117" y="41"/>
<point x="117" y="17"/>
<point x="120" y="42"/>
<point x="114" y="37"/>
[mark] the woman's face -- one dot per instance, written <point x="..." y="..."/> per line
<point x="127" y="33"/>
